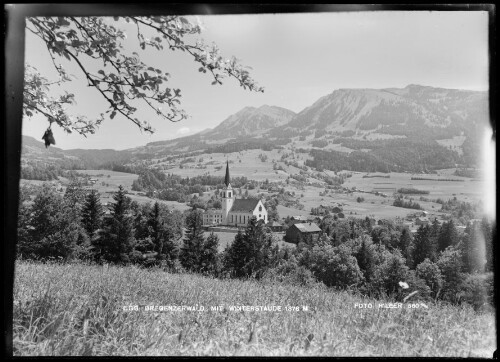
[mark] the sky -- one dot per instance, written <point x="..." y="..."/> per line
<point x="297" y="58"/>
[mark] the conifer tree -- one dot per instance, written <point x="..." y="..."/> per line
<point x="191" y="252"/>
<point x="251" y="253"/>
<point x="75" y="196"/>
<point x="235" y="255"/>
<point x="162" y="234"/>
<point x="117" y="239"/>
<point x="141" y="218"/>
<point x="365" y="259"/>
<point x="405" y="245"/>
<point x="92" y="213"/>
<point x="424" y="245"/>
<point x="448" y="236"/>
<point x="52" y="231"/>
<point x="210" y="259"/>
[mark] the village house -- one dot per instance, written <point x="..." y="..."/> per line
<point x="336" y="210"/>
<point x="305" y="232"/>
<point x="234" y="211"/>
<point x="422" y="221"/>
<point x="212" y="217"/>
<point x="275" y="226"/>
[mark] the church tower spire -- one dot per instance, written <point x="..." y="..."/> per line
<point x="227" y="197"/>
<point x="226" y="179"/>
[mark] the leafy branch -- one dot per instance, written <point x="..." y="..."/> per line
<point x="123" y="79"/>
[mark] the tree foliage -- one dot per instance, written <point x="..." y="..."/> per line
<point x="191" y="253"/>
<point x="123" y="79"/>
<point x="48" y="228"/>
<point x="334" y="266"/>
<point x="92" y="212"/>
<point x="251" y="252"/>
<point x="424" y="245"/>
<point x="117" y="239"/>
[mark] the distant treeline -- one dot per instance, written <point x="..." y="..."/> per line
<point x="338" y="161"/>
<point x="42" y="172"/>
<point x="400" y="202"/>
<point x="394" y="155"/>
<point x="435" y="179"/>
<point x="242" y="146"/>
<point x="412" y="191"/>
<point x="381" y="176"/>
<point x="467" y="173"/>
<point x="175" y="188"/>
<point x="48" y="171"/>
<point x="319" y="143"/>
<point x="117" y="167"/>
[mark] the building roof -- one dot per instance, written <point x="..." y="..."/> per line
<point x="226" y="179"/>
<point x="307" y="227"/>
<point x="274" y="224"/>
<point x="244" y="205"/>
<point x="214" y="212"/>
<point x="299" y="217"/>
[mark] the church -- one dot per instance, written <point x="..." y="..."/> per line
<point x="235" y="212"/>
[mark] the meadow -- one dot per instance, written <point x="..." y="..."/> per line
<point x="469" y="190"/>
<point x="250" y="166"/>
<point x="254" y="169"/>
<point x="77" y="309"/>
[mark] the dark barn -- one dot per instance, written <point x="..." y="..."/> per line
<point x="306" y="232"/>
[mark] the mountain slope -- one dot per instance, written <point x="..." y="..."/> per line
<point x="251" y="121"/>
<point x="393" y="111"/>
<point x="34" y="151"/>
<point x="246" y="124"/>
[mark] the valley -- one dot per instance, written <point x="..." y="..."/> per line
<point x="324" y="155"/>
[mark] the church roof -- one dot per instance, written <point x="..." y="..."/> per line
<point x="226" y="179"/>
<point x="307" y="227"/>
<point x="244" y="205"/>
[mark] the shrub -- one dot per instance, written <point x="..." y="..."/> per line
<point x="415" y="284"/>
<point x="450" y="265"/>
<point x="334" y="266"/>
<point x="476" y="290"/>
<point x="388" y="273"/>
<point x="429" y="272"/>
<point x="290" y="272"/>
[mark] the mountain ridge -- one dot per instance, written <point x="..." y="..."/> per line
<point x="418" y="113"/>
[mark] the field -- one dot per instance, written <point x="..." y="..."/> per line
<point x="254" y="169"/>
<point x="113" y="179"/>
<point x="468" y="190"/>
<point x="79" y="310"/>
<point x="250" y="166"/>
<point x="107" y="184"/>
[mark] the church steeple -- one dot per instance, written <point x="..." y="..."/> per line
<point x="227" y="196"/>
<point x="226" y="180"/>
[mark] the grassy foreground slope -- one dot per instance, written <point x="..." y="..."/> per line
<point x="78" y="310"/>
